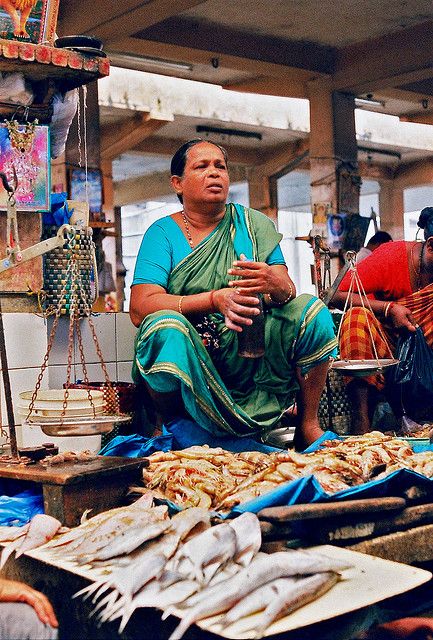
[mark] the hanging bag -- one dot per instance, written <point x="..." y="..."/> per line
<point x="413" y="376"/>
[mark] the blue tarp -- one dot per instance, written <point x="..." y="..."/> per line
<point x="185" y="433"/>
<point x="19" y="509"/>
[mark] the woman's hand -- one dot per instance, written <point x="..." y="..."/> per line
<point x="11" y="591"/>
<point x="238" y="309"/>
<point x="401" y="318"/>
<point x="251" y="277"/>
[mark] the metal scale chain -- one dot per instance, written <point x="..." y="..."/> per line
<point x="355" y="281"/>
<point x="70" y="298"/>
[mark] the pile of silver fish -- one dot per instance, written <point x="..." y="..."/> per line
<point x="141" y="557"/>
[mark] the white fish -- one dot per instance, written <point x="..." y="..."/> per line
<point x="90" y="526"/>
<point x="257" y="600"/>
<point x="107" y="530"/>
<point x="264" y="568"/>
<point x="248" y="537"/>
<point x="203" y="555"/>
<point x="7" y="534"/>
<point x="296" y="596"/>
<point x="125" y="541"/>
<point x="40" y="529"/>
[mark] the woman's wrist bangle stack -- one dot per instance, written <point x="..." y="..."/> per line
<point x="387" y="309"/>
<point x="179" y="304"/>
<point x="281" y="302"/>
<point x="212" y="301"/>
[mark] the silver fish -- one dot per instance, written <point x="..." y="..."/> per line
<point x="125" y="541"/>
<point x="41" y="529"/>
<point x="299" y="594"/>
<point x="257" y="600"/>
<point x="248" y="537"/>
<point x="264" y="568"/>
<point x="209" y="550"/>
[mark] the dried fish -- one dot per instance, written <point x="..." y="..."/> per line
<point x="257" y="600"/>
<point x="263" y="569"/>
<point x="40" y="529"/>
<point x="248" y="537"/>
<point x="296" y="596"/>
<point x="203" y="555"/>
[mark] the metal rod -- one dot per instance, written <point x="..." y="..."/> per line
<point x="7" y="388"/>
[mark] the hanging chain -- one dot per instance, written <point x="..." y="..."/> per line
<point x="70" y="299"/>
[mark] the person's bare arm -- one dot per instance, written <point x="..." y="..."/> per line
<point x="148" y="298"/>
<point x="396" y="314"/>
<point x="12" y="591"/>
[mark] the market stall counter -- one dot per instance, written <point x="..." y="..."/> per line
<point x="70" y="488"/>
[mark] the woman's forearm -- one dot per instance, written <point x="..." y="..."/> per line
<point x="144" y="303"/>
<point x="339" y="300"/>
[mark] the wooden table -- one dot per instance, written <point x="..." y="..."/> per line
<point x="72" y="487"/>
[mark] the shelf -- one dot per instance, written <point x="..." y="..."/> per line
<point x="102" y="225"/>
<point x="69" y="69"/>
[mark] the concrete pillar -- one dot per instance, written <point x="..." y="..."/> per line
<point x="391" y="209"/>
<point x="263" y="192"/>
<point x="335" y="182"/>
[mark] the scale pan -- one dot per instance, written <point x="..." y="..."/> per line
<point x="79" y="426"/>
<point x="361" y="368"/>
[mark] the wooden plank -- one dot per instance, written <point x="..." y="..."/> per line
<point x="329" y="509"/>
<point x="69" y="472"/>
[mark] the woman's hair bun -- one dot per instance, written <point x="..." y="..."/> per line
<point x="425" y="217"/>
<point x="426" y="221"/>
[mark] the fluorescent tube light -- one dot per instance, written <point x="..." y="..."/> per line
<point x="143" y="63"/>
<point x="228" y="132"/>
<point x="368" y="102"/>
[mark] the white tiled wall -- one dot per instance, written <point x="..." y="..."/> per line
<point x="26" y="338"/>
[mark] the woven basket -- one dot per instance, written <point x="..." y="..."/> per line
<point x="335" y="407"/>
<point x="55" y="264"/>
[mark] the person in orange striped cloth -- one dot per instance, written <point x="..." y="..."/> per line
<point x="398" y="280"/>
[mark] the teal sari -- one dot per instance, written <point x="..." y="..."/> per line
<point x="225" y="393"/>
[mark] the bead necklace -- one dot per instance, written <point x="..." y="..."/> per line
<point x="187" y="230"/>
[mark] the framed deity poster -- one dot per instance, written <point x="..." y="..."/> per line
<point x="25" y="161"/>
<point x="29" y="20"/>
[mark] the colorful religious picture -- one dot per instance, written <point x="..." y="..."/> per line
<point x="336" y="230"/>
<point x="29" y="20"/>
<point x="87" y="189"/>
<point x="25" y="159"/>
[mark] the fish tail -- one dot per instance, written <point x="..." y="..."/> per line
<point x="181" y="628"/>
<point x="87" y="591"/>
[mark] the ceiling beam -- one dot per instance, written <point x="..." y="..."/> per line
<point x="415" y="174"/>
<point x="156" y="185"/>
<point x="180" y="53"/>
<point x="378" y="172"/>
<point x="422" y="117"/>
<point x="391" y="60"/>
<point x="270" y="86"/>
<point x="106" y="20"/>
<point x="221" y="40"/>
<point x="128" y="134"/>
<point x="168" y="146"/>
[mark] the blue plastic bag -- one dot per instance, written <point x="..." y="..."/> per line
<point x="19" y="509"/>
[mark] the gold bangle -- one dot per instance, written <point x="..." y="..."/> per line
<point x="387" y="308"/>
<point x="281" y="302"/>
<point x="179" y="304"/>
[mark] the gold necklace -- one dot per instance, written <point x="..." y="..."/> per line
<point x="187" y="229"/>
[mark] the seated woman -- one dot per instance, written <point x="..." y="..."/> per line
<point x="204" y="268"/>
<point x="399" y="275"/>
